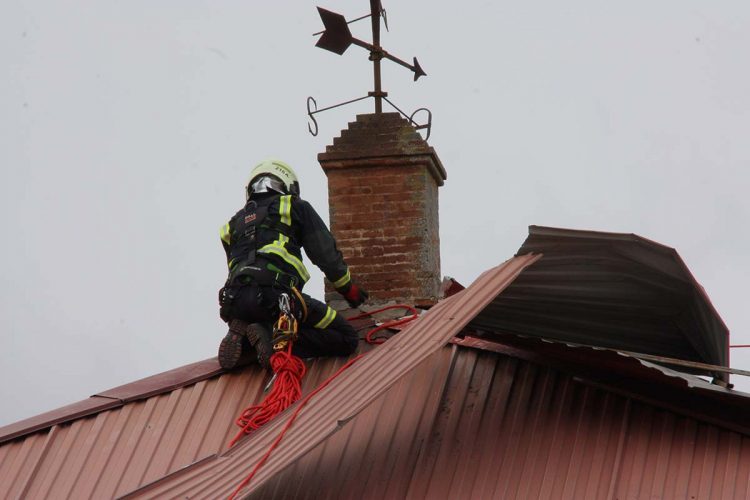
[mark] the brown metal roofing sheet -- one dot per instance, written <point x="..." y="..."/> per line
<point x="70" y="412"/>
<point x="467" y="423"/>
<point x="507" y="428"/>
<point x="347" y="396"/>
<point x="165" y="382"/>
<point x="460" y="423"/>
<point x="120" y="449"/>
<point x="380" y="442"/>
<point x="630" y="377"/>
<point x="112" y="398"/>
<point x="612" y="290"/>
<point x="411" y="419"/>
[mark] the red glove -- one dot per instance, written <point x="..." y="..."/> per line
<point x="354" y="294"/>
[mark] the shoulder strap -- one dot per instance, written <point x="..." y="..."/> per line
<point x="253" y="216"/>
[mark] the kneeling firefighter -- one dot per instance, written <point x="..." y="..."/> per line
<point x="263" y="244"/>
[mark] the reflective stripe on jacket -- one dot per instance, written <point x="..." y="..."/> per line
<point x="289" y="225"/>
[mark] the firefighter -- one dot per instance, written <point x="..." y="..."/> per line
<point x="263" y="243"/>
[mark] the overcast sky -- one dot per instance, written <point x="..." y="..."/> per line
<point x="127" y="130"/>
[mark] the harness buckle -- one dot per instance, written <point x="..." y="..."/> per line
<point x="286" y="327"/>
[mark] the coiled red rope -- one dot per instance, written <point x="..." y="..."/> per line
<point x="287" y="388"/>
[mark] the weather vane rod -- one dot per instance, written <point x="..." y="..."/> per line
<point x="336" y="38"/>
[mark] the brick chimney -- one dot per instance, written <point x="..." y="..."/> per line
<point x="383" y="181"/>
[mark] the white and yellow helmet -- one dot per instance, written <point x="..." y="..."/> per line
<point x="264" y="174"/>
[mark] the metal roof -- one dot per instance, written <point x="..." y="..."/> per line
<point x="114" y="398"/>
<point x="168" y="428"/>
<point x="611" y="290"/>
<point x="504" y="416"/>
<point x="469" y="423"/>
<point x="346" y="397"/>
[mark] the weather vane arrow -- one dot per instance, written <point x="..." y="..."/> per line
<point x="336" y="37"/>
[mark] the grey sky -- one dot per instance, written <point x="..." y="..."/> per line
<point x="127" y="130"/>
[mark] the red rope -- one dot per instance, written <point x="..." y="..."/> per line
<point x="289" y="371"/>
<point x="289" y="423"/>
<point x="388" y="324"/>
<point x="287" y="388"/>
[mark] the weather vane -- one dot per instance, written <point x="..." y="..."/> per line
<point x="336" y="37"/>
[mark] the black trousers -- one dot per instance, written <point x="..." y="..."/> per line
<point x="323" y="333"/>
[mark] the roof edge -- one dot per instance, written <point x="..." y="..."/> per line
<point x="657" y="385"/>
<point x="114" y="398"/>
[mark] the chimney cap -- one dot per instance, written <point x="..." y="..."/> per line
<point x="381" y="135"/>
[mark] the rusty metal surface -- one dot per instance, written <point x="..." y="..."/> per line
<point x="612" y="290"/>
<point x="336" y="37"/>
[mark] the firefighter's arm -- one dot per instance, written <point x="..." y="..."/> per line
<point x="320" y="246"/>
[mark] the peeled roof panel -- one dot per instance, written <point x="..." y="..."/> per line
<point x="611" y="290"/>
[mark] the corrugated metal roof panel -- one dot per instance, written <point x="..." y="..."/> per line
<point x="412" y="419"/>
<point x="477" y="424"/>
<point x="118" y="450"/>
<point x="347" y="396"/>
<point x="611" y="290"/>
<point x="112" y="398"/>
<point x="507" y="428"/>
<point x="627" y="375"/>
<point x="73" y="411"/>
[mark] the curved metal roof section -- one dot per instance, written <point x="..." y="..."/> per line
<point x="612" y="290"/>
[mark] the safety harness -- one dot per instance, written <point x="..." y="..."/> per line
<point x="244" y="266"/>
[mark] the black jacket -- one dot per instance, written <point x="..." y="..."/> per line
<point x="283" y="224"/>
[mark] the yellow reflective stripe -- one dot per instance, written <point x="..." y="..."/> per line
<point x="285" y="209"/>
<point x="224" y="233"/>
<point x="343" y="280"/>
<point x="231" y="263"/>
<point x="277" y="249"/>
<point x="323" y="323"/>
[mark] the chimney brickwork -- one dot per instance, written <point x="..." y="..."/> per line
<point x="383" y="181"/>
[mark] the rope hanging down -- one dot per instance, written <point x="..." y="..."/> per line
<point x="287" y="388"/>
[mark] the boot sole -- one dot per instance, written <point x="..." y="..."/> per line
<point x="231" y="349"/>
<point x="260" y="338"/>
